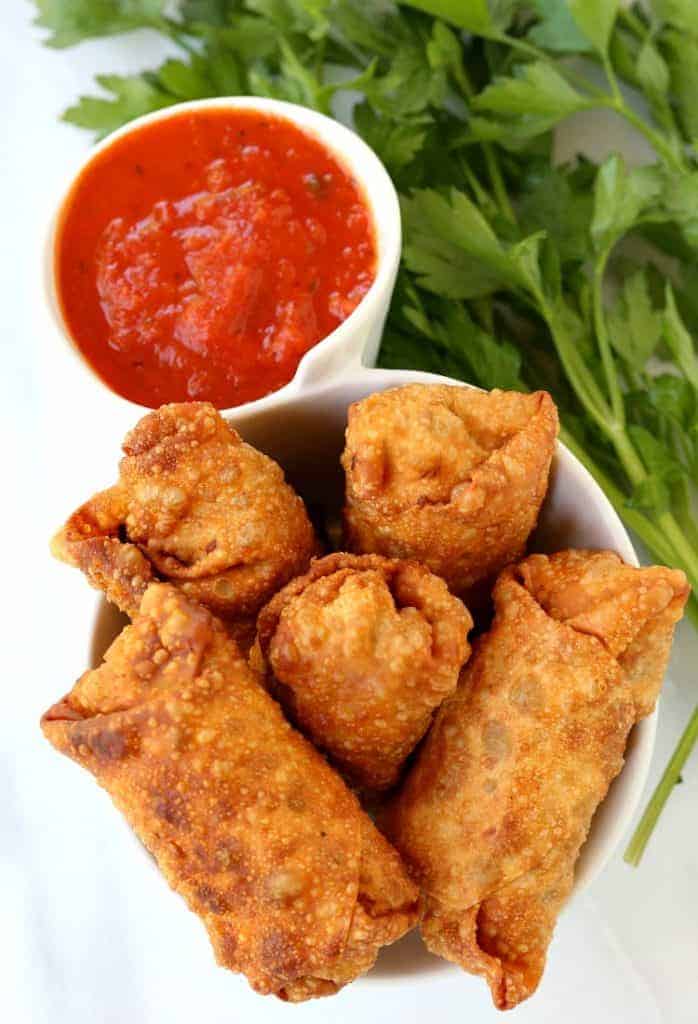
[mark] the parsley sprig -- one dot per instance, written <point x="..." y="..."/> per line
<point x="517" y="271"/>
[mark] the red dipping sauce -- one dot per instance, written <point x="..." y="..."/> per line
<point x="202" y="255"/>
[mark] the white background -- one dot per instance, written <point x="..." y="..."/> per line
<point x="88" y="932"/>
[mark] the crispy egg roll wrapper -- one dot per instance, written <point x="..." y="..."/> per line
<point x="494" y="812"/>
<point x="196" y="506"/>
<point x="361" y="650"/>
<point x="632" y="613"/>
<point x="296" y="887"/>
<point x="451" y="476"/>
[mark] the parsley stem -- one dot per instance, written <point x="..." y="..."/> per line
<point x="633" y="23"/>
<point x="493" y="169"/>
<point x="686" y="556"/>
<point x="683" y="552"/>
<point x="480" y="193"/>
<point x="632" y="464"/>
<point x="497" y="181"/>
<point x="615" y="429"/>
<point x="578" y="374"/>
<point x="607" y="360"/>
<point x="660" y="144"/>
<point x="612" y="80"/>
<point x="662" y="792"/>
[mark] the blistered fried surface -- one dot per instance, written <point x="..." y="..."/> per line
<point x="632" y="612"/>
<point x="361" y="650"/>
<point x="505" y="938"/>
<point x="246" y="820"/>
<point x="194" y="505"/>
<point x="493" y="815"/>
<point x="450" y="476"/>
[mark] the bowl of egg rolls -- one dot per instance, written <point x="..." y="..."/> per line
<point x="380" y="659"/>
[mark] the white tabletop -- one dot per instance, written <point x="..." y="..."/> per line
<point x="89" y="932"/>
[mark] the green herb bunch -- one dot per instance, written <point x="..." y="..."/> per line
<point x="517" y="271"/>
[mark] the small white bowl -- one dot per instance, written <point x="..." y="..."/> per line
<point x="357" y="339"/>
<point x="304" y="432"/>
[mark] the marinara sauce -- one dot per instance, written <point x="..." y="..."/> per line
<point x="201" y="256"/>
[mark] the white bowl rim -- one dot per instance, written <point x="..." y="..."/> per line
<point x="643" y="734"/>
<point x="351" y="152"/>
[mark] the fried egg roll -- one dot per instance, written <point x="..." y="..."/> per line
<point x="450" y="476"/>
<point x="361" y="650"/>
<point x="296" y="887"/>
<point x="195" y="506"/>
<point x="494" y="812"/>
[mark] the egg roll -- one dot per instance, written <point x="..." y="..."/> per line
<point x="450" y="476"/>
<point x="296" y="887"/>
<point x="196" y="506"/>
<point x="495" y="810"/>
<point x="360" y="651"/>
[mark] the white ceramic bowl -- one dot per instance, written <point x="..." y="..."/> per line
<point x="304" y="432"/>
<point x="354" y="341"/>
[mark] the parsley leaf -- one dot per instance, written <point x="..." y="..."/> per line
<point x="679" y="202"/>
<point x="595" y="18"/>
<point x="635" y="326"/>
<point x="653" y="492"/>
<point x="652" y="71"/>
<point x="679" y="340"/>
<point x="451" y="246"/>
<point x="493" y="364"/>
<point x="620" y="196"/>
<point x="409" y="85"/>
<point x="527" y="104"/>
<point x="681" y="13"/>
<point x="480" y="17"/>
<point x="536" y="89"/>
<point x="72" y="21"/>
<point x="397" y="143"/>
<point x="186" y="80"/>
<point x="556" y="206"/>
<point x="556" y="29"/>
<point x="681" y="52"/>
<point x="294" y="16"/>
<point x="208" y="12"/>
<point x="132" y="95"/>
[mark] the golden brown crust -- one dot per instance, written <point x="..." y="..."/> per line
<point x="194" y="505"/>
<point x="632" y="613"/>
<point x="504" y="938"/>
<point x="493" y="814"/>
<point x="244" y="818"/>
<point x="90" y="541"/>
<point x="361" y="650"/>
<point x="451" y="476"/>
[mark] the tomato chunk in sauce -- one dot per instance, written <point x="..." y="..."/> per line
<point x="201" y="256"/>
